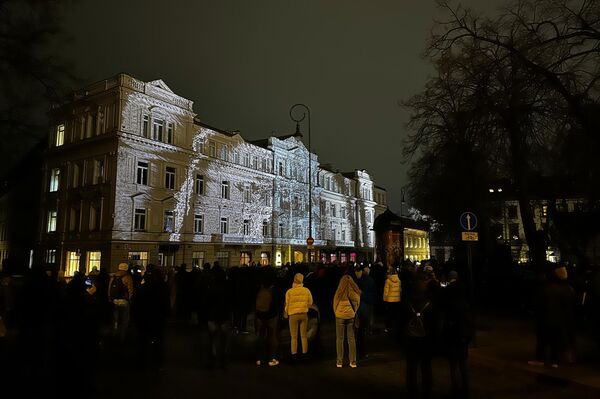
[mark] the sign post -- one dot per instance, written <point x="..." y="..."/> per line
<point x="468" y="221"/>
<point x="309" y="246"/>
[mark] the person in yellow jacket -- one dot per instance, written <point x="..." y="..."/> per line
<point x="297" y="301"/>
<point x="392" y="292"/>
<point x="345" y="304"/>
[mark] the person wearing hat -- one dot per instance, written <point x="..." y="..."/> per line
<point x="297" y="301"/>
<point x="120" y="291"/>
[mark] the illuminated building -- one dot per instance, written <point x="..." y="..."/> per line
<point x="131" y="174"/>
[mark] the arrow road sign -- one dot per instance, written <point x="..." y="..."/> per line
<point x="468" y="221"/>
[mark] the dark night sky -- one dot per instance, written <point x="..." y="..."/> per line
<point x="244" y="63"/>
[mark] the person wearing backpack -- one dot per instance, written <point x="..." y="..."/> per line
<point x="346" y="302"/>
<point x="120" y="291"/>
<point x="266" y="322"/>
<point x="419" y="333"/>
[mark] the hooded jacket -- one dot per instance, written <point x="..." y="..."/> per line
<point x="392" y="289"/>
<point x="127" y="280"/>
<point x="298" y="298"/>
<point x="347" y="299"/>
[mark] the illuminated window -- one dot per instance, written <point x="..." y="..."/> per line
<point x="169" y="221"/>
<point x="224" y="225"/>
<point x="157" y="129"/>
<point x="225" y="189"/>
<point x="142" y="173"/>
<point x="146" y="126"/>
<point x="138" y="258"/>
<point x="60" y="135"/>
<point x="51" y="221"/>
<point x="54" y="179"/>
<point x="223" y="258"/>
<point x="72" y="265"/>
<point x="265" y="228"/>
<point x="170" y="178"/>
<point x="264" y="258"/>
<point x="245" y="258"/>
<point x="199" y="184"/>
<point x="198" y="224"/>
<point x="51" y="256"/>
<point x="170" y="130"/>
<point x="246" y="227"/>
<point x="93" y="260"/>
<point x="197" y="258"/>
<point x="139" y="223"/>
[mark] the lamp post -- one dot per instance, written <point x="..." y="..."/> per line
<point x="299" y="118"/>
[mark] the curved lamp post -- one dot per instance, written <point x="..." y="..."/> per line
<point x="298" y="112"/>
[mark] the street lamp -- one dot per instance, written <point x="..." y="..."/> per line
<point x="299" y="118"/>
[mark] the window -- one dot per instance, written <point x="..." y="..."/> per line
<point x="54" y="179"/>
<point x="265" y="228"/>
<point x="170" y="177"/>
<point x="98" y="171"/>
<point x="60" y="135"/>
<point x="264" y="259"/>
<point x="198" y="224"/>
<point x="223" y="258"/>
<point x="245" y="258"/>
<point x="281" y="230"/>
<point x="333" y="210"/>
<point x="139" y="223"/>
<point x="51" y="221"/>
<point x="197" y="258"/>
<point x="236" y="157"/>
<point x="512" y="211"/>
<point x="333" y="234"/>
<point x="138" y="258"/>
<point x="199" y="184"/>
<point x="343" y="212"/>
<point x="212" y="149"/>
<point x="225" y="189"/>
<point x="246" y="227"/>
<point x="75" y="175"/>
<point x="72" y="266"/>
<point x="74" y="219"/>
<point x="343" y="236"/>
<point x="95" y="217"/>
<point x="169" y="222"/>
<point x="255" y="162"/>
<point x="93" y="260"/>
<point x="142" y="173"/>
<point x="170" y="130"/>
<point x="50" y="256"/>
<point x="224" y="229"/>
<point x="246" y="195"/>
<point x="157" y="129"/>
<point x="246" y="160"/>
<point x="280" y="168"/>
<point x="146" y="126"/>
<point x="224" y="155"/>
<point x="513" y="231"/>
<point x="498" y="231"/>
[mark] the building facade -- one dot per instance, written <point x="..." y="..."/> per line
<point x="132" y="175"/>
<point x="400" y="238"/>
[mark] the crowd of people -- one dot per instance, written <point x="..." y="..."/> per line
<point x="425" y="310"/>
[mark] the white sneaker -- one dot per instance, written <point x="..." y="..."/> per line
<point x="338" y="365"/>
<point x="353" y="365"/>
<point x="273" y="362"/>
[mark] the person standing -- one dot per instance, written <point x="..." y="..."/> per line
<point x="297" y="301"/>
<point x="266" y="322"/>
<point x="365" y="311"/>
<point x="120" y="291"/>
<point x="218" y="315"/>
<point x="392" y="293"/>
<point x="345" y="304"/>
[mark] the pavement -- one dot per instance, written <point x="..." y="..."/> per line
<point x="497" y="365"/>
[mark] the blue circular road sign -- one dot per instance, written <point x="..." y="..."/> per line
<point x="468" y="221"/>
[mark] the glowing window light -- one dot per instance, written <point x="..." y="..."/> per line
<point x="60" y="135"/>
<point x="54" y="179"/>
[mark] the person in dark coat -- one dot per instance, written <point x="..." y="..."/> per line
<point x="149" y="312"/>
<point x="365" y="310"/>
<point x="458" y="329"/>
<point x="218" y="313"/>
<point x="420" y="333"/>
<point x="266" y="314"/>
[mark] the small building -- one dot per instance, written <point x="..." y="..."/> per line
<point x="400" y="238"/>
